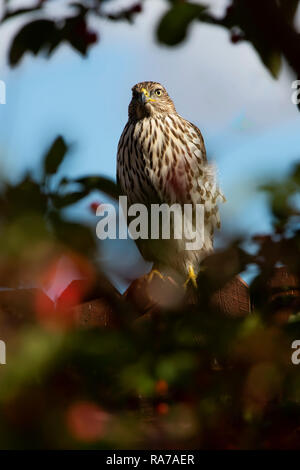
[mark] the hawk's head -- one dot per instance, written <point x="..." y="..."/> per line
<point x="150" y="99"/>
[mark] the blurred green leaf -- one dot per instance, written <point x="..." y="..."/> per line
<point x="45" y="35"/>
<point x="270" y="57"/>
<point x="24" y="196"/>
<point x="294" y="318"/>
<point x="100" y="183"/>
<point x="138" y="378"/>
<point x="61" y="201"/>
<point x="296" y="175"/>
<point x="175" y="367"/>
<point x="246" y="18"/>
<point x="33" y="37"/>
<point x="76" y="236"/>
<point x="22" y="233"/>
<point x="55" y="156"/>
<point x="173" y="26"/>
<point x="36" y="353"/>
<point x="289" y="8"/>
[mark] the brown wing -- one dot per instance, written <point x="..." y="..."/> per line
<point x="202" y="144"/>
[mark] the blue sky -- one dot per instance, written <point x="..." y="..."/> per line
<point x="250" y="125"/>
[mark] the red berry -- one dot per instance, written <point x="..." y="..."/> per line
<point x="161" y="387"/>
<point x="91" y="38"/>
<point x="236" y="38"/>
<point x="137" y="8"/>
<point x="162" y="408"/>
<point x="94" y="206"/>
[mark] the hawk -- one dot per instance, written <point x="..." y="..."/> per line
<point x="162" y="159"/>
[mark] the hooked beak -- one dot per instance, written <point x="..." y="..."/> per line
<point x="145" y="96"/>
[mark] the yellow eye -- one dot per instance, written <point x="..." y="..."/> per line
<point x="158" y="92"/>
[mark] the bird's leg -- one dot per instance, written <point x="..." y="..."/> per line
<point x="155" y="272"/>
<point x="192" y="277"/>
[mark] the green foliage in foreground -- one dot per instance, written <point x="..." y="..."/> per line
<point x="181" y="378"/>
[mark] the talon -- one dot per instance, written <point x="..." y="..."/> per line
<point x="153" y="273"/>
<point x="192" y="277"/>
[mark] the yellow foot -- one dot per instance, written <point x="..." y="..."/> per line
<point x="153" y="273"/>
<point x="192" y="277"/>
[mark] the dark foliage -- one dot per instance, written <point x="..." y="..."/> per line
<point x="45" y="35"/>
<point x="267" y="25"/>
